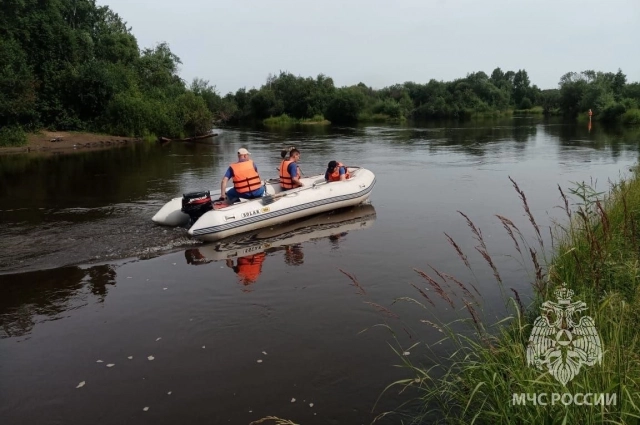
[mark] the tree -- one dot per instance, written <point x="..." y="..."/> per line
<point x="619" y="82"/>
<point x="520" y="86"/>
<point x="345" y="106"/>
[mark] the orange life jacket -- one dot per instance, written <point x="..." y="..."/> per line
<point x="245" y="177"/>
<point x="250" y="267"/>
<point x="335" y="176"/>
<point x="286" y="179"/>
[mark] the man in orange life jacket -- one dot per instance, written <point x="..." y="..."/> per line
<point x="289" y="171"/>
<point x="245" y="177"/>
<point x="336" y="172"/>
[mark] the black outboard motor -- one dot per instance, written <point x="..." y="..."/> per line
<point x="195" y="204"/>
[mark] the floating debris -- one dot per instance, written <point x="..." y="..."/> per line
<point x="259" y="361"/>
<point x="174" y="264"/>
<point x="130" y="357"/>
<point x="99" y="361"/>
<point x="293" y="400"/>
<point x="151" y="357"/>
<point x="203" y="346"/>
<point x="310" y="404"/>
<point x="169" y="393"/>
<point x="81" y="384"/>
<point x="264" y="352"/>
<point x="146" y="409"/>
<point x="158" y="339"/>
<point x="406" y="353"/>
<point x="164" y="289"/>
<point x="129" y="277"/>
<point x="111" y="365"/>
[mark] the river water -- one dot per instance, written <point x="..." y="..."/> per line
<point x="92" y="291"/>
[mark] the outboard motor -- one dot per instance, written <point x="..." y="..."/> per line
<point x="195" y="204"/>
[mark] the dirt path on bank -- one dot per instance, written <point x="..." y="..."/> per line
<point x="68" y="142"/>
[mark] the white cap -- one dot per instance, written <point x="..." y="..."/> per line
<point x="243" y="151"/>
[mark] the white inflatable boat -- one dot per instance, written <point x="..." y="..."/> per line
<point x="277" y="206"/>
<point x="327" y="225"/>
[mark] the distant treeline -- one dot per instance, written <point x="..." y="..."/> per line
<point x="607" y="94"/>
<point x="73" y="65"/>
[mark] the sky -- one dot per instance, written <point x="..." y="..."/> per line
<point x="238" y="43"/>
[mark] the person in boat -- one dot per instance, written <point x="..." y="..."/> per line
<point x="248" y="268"/>
<point x="285" y="153"/>
<point x="290" y="172"/>
<point x="246" y="180"/>
<point x="336" y="172"/>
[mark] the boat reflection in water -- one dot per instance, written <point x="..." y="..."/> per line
<point x="246" y="254"/>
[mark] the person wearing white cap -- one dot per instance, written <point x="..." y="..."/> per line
<point x="246" y="180"/>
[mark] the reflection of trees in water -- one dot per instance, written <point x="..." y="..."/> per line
<point x="473" y="138"/>
<point x="93" y="179"/>
<point x="607" y="140"/>
<point x="30" y="298"/>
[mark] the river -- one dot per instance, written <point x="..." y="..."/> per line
<point x="161" y="329"/>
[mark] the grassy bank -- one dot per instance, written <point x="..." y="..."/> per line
<point x="285" y="120"/>
<point x="596" y="255"/>
<point x="63" y="141"/>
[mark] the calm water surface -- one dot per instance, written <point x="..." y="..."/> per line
<point x="87" y="277"/>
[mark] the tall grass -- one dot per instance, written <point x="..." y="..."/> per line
<point x="596" y="254"/>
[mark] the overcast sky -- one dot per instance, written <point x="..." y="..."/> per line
<point x="237" y="43"/>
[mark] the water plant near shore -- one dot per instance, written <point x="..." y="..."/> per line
<point x="595" y="253"/>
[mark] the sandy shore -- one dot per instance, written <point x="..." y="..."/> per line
<point x="68" y="142"/>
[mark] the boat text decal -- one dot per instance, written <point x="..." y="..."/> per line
<point x="250" y="213"/>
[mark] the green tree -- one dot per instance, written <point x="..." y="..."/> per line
<point x="345" y="106"/>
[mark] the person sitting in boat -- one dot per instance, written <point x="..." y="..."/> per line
<point x="285" y="153"/>
<point x="246" y="180"/>
<point x="336" y="172"/>
<point x="290" y="172"/>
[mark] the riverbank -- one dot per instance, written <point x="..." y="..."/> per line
<point x="67" y="142"/>
<point x="492" y="377"/>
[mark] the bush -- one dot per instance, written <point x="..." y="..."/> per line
<point x="526" y="103"/>
<point x="612" y="112"/>
<point x="12" y="136"/>
<point x="631" y="117"/>
<point x="345" y="106"/>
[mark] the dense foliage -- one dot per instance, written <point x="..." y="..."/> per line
<point x="74" y="65"/>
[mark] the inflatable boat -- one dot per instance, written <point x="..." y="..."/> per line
<point x="211" y="221"/>
<point x="328" y="225"/>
